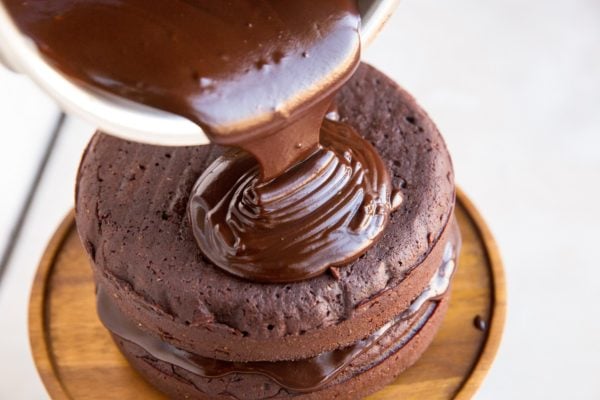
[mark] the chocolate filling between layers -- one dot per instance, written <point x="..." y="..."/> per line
<point x="305" y="375"/>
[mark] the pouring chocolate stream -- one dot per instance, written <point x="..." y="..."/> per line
<point x="257" y="75"/>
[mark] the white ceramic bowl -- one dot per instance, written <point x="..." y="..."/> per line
<point x="121" y="117"/>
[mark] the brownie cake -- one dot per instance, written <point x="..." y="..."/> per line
<point x="196" y="331"/>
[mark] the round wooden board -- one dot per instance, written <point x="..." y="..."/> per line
<point x="77" y="359"/>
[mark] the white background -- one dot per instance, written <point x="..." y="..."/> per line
<point x="515" y="88"/>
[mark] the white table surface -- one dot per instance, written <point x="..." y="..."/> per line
<point x="514" y="87"/>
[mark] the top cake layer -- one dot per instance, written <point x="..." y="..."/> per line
<point x="131" y="215"/>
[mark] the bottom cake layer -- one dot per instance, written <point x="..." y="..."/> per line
<point x="348" y="372"/>
<point x="372" y="370"/>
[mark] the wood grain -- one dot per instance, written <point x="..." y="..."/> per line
<point x="77" y="359"/>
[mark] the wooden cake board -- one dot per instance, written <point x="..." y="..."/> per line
<point x="77" y="359"/>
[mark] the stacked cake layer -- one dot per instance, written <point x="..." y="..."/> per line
<point x="198" y="332"/>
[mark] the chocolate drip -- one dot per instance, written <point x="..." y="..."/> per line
<point x="243" y="70"/>
<point x="323" y="212"/>
<point x="301" y="375"/>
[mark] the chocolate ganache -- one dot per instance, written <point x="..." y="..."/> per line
<point x="259" y="76"/>
<point x="318" y="213"/>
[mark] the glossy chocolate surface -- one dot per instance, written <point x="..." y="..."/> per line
<point x="323" y="212"/>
